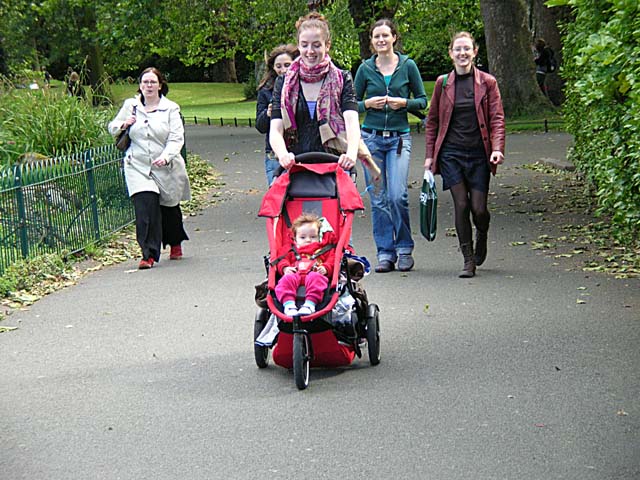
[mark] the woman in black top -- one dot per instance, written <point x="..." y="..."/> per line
<point x="277" y="64"/>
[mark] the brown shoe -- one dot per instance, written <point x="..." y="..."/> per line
<point x="469" y="267"/>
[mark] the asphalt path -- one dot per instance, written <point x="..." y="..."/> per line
<point x="530" y="370"/>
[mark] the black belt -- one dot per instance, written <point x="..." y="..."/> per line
<point x="383" y="133"/>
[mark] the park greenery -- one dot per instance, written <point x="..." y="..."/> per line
<point x="216" y="39"/>
<point x="197" y="39"/>
<point x="602" y="110"/>
<point x="46" y="123"/>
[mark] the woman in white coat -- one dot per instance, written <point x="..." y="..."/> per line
<point x="154" y="169"/>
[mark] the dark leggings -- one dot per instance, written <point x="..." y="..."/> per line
<point x="467" y="202"/>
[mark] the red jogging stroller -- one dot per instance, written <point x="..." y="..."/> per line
<point x="316" y="184"/>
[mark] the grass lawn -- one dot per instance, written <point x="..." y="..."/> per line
<point x="213" y="100"/>
<point x="226" y="100"/>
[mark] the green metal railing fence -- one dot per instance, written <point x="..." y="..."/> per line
<point x="544" y="125"/>
<point x="61" y="204"/>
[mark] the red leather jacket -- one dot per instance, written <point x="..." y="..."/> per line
<point x="488" y="109"/>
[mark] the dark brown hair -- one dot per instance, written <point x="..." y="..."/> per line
<point x="164" y="86"/>
<point x="270" y="74"/>
<point x="540" y="44"/>
<point x="381" y="23"/>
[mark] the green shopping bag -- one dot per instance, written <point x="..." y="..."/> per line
<point x="428" y="207"/>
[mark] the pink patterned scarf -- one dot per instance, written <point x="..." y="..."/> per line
<point x="333" y="134"/>
<point x="328" y="109"/>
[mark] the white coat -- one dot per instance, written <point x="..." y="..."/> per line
<point x="154" y="135"/>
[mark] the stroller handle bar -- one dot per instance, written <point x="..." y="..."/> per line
<point x="308" y="158"/>
<point x="316" y="157"/>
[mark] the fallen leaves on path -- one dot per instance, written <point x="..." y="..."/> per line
<point x="563" y="209"/>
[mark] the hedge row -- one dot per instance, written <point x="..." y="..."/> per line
<point x="602" y="111"/>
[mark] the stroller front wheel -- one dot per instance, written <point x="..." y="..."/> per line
<point x="301" y="359"/>
<point x="373" y="334"/>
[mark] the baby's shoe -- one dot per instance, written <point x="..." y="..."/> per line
<point x="290" y="309"/>
<point x="307" y="309"/>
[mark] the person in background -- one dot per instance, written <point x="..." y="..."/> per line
<point x="153" y="159"/>
<point x="47" y="77"/>
<point x="74" y="89"/>
<point x="465" y="143"/>
<point x="277" y="63"/>
<point x="314" y="107"/>
<point x="385" y="85"/>
<point x="541" y="58"/>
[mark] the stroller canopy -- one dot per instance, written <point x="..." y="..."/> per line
<point x="286" y="185"/>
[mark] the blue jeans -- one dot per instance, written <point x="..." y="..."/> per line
<point x="270" y="166"/>
<point x="390" y="196"/>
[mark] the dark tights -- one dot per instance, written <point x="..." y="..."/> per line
<point x="467" y="201"/>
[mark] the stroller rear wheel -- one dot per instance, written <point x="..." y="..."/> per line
<point x="301" y="360"/>
<point x="373" y="333"/>
<point x="261" y="353"/>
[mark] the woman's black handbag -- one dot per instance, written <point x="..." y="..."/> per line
<point x="428" y="207"/>
<point x="123" y="141"/>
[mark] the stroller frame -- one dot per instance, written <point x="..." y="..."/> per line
<point x="313" y="340"/>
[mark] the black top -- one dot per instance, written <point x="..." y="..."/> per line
<point x="542" y="60"/>
<point x="308" y="135"/>
<point x="464" y="131"/>
<point x="262" y="119"/>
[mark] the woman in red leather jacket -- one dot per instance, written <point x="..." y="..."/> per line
<point x="465" y="142"/>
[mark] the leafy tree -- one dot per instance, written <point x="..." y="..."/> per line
<point x="21" y="34"/>
<point x="426" y="29"/>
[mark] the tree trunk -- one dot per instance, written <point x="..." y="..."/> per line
<point x="101" y="93"/>
<point x="228" y="70"/>
<point x="509" y="53"/>
<point x="96" y="74"/>
<point x="543" y="23"/>
<point x="3" y="61"/>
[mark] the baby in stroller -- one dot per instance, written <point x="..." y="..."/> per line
<point x="320" y="257"/>
<point x="307" y="261"/>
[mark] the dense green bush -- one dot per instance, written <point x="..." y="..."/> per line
<point x="47" y="122"/>
<point x="602" y="111"/>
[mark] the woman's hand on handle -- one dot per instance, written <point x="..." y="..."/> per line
<point x="287" y="160"/>
<point x="346" y="162"/>
<point x="128" y="122"/>
<point x="496" y="158"/>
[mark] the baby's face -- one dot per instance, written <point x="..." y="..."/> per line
<point x="307" y="233"/>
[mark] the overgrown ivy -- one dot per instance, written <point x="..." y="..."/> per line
<point x="602" y="111"/>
